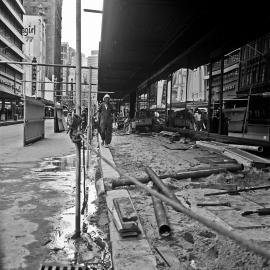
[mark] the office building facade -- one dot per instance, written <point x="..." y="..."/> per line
<point x="11" y="42"/>
<point x="52" y="15"/>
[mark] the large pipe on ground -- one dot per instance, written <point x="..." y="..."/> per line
<point x="183" y="174"/>
<point x="159" y="184"/>
<point x="180" y="208"/>
<point x="161" y="217"/>
<point x="253" y="148"/>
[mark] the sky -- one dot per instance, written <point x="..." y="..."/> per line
<point x="91" y="24"/>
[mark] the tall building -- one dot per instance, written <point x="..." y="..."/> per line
<point x="92" y="60"/>
<point x="72" y="75"/>
<point x="11" y="41"/>
<point x="52" y="12"/>
<point x="34" y="35"/>
<point x="195" y="88"/>
<point x="65" y="60"/>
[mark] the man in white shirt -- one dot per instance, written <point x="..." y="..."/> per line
<point x="105" y="120"/>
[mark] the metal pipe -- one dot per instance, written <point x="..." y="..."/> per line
<point x="92" y="10"/>
<point x="248" y="147"/>
<point x="232" y="192"/>
<point x="183" y="174"/>
<point x="159" y="184"/>
<point x="42" y="64"/>
<point x="78" y="112"/>
<point x="78" y="191"/>
<point x="89" y="122"/>
<point x="161" y="217"/>
<point x="180" y="208"/>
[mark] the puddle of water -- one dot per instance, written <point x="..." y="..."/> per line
<point x="90" y="249"/>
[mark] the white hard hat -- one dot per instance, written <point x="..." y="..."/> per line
<point x="106" y="96"/>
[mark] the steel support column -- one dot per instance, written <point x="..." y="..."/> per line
<point x="187" y="73"/>
<point x="166" y="101"/>
<point x="209" y="122"/>
<point x="171" y="92"/>
<point x="132" y="106"/>
<point x="220" y="125"/>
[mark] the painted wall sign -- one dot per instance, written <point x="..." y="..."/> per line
<point x="29" y="31"/>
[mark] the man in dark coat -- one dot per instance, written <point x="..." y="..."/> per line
<point x="105" y="120"/>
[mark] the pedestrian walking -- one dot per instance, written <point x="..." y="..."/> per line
<point x="198" y="119"/>
<point x="105" y="120"/>
<point x="84" y="119"/>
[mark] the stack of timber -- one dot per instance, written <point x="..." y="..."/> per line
<point x="128" y="252"/>
<point x="234" y="152"/>
<point x="174" y="136"/>
<point x="125" y="217"/>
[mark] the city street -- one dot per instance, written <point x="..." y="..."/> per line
<point x="134" y="135"/>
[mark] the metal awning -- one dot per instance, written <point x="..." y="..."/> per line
<point x="143" y="41"/>
<point x="5" y="93"/>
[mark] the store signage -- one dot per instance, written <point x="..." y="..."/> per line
<point x="29" y="31"/>
<point x="10" y="85"/>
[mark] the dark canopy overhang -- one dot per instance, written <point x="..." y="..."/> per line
<point x="145" y="40"/>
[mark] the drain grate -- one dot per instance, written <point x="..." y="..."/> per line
<point x="54" y="267"/>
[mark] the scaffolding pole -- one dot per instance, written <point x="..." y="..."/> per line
<point x="78" y="112"/>
<point x="89" y="129"/>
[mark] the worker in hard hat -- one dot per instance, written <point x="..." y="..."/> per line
<point x="106" y="120"/>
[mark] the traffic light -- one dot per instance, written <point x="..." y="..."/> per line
<point x="34" y="76"/>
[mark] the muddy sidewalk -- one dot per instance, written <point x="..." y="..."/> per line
<point x="37" y="206"/>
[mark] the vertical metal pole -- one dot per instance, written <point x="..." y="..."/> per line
<point x="186" y="97"/>
<point x="166" y="101"/>
<point x="210" y="97"/>
<point x="171" y="76"/>
<point x="55" y="109"/>
<point x="170" y="115"/>
<point x="89" y="121"/>
<point x="148" y="96"/>
<point x="78" y="112"/>
<point x="221" y="96"/>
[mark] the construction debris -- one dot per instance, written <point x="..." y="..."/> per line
<point x="242" y="157"/>
<point x="182" y="175"/>
<point x="161" y="217"/>
<point x="236" y="192"/>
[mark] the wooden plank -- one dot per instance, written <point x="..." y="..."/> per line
<point x="168" y="256"/>
<point x="176" y="146"/>
<point x="125" y="209"/>
<point x="130" y="252"/>
<point x="243" y="156"/>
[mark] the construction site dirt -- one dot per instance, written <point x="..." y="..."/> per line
<point x="195" y="245"/>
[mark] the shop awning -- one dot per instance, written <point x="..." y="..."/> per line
<point x="143" y="41"/>
<point x="8" y="94"/>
